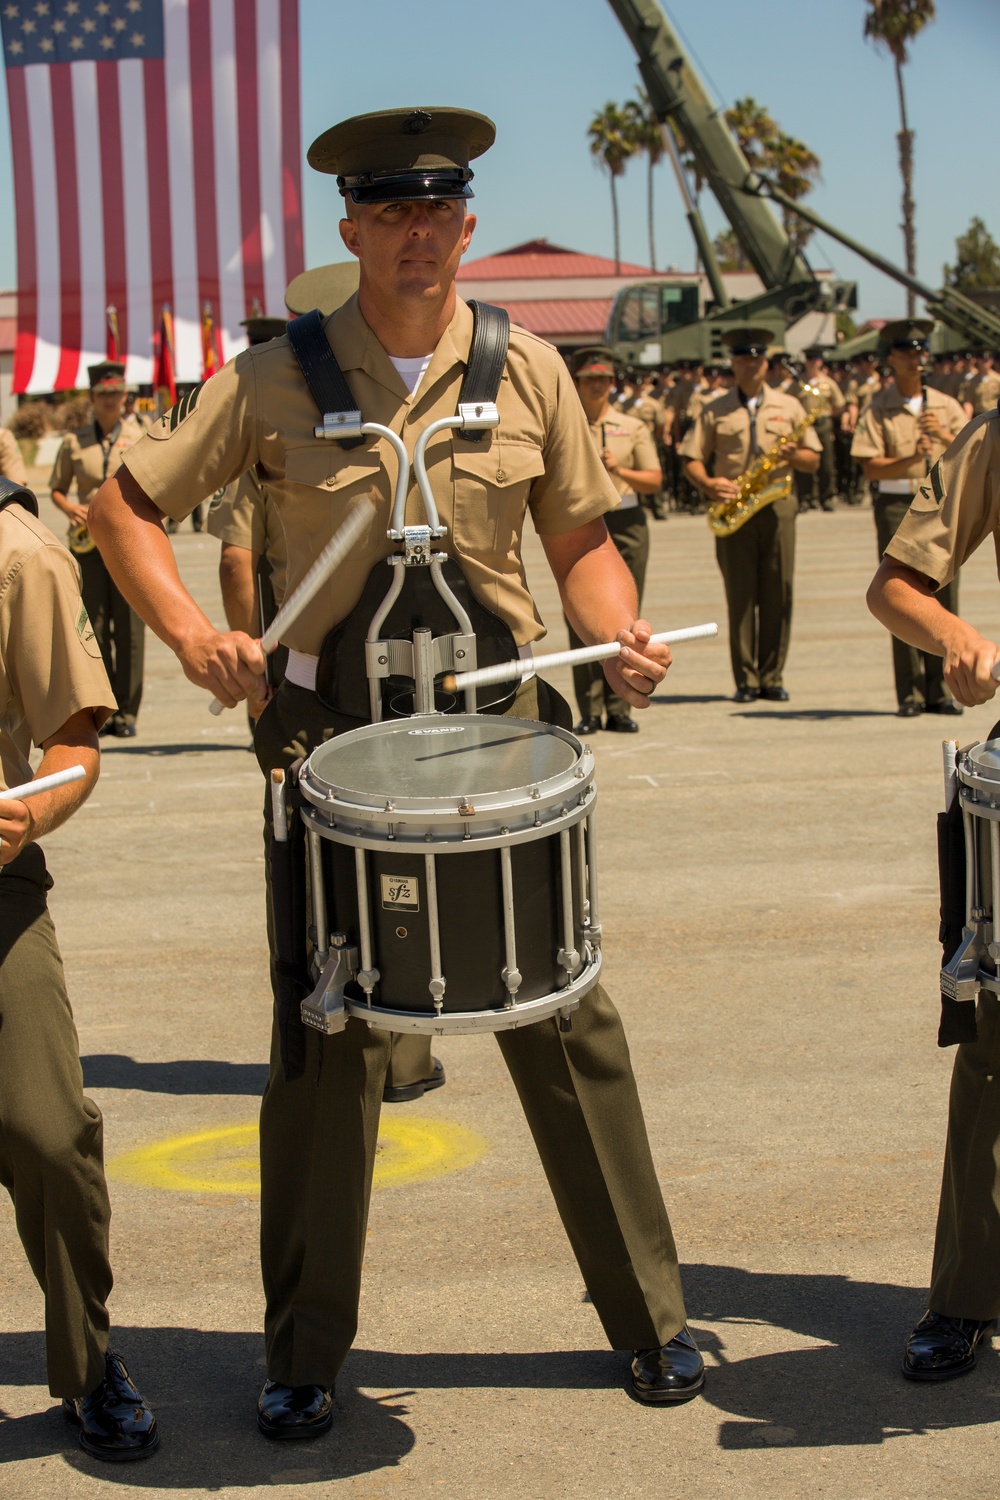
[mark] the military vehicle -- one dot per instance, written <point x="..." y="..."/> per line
<point x="651" y="322"/>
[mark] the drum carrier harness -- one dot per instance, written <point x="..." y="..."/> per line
<point x="430" y="620"/>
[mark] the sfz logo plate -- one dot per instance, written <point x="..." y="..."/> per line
<point x="400" y="892"/>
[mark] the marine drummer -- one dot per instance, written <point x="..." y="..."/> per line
<point x="953" y="512"/>
<point x="402" y="344"/>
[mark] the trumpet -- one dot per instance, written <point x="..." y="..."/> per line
<point x="757" y="486"/>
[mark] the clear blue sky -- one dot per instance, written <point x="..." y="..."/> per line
<point x="541" y="68"/>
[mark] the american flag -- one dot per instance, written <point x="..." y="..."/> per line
<point x="157" y="152"/>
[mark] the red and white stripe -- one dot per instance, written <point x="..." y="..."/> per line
<point x="148" y="182"/>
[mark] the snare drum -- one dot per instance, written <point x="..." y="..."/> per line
<point x="974" y="966"/>
<point x="453" y="863"/>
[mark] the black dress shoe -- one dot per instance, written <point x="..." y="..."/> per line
<point x="587" y="726"/>
<point x="114" y="1421"/>
<point x="775" y="694"/>
<point x="674" y="1373"/>
<point x="300" y="1411"/>
<point x="621" y="724"/>
<point x="945" y="706"/>
<point x="940" y="1348"/>
<point x="123" y="728"/>
<point x="746" y="695"/>
<point x="402" y="1093"/>
<point x="909" y="710"/>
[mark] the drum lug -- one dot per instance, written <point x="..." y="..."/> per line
<point x="324" y="1010"/>
<point x="960" y="975"/>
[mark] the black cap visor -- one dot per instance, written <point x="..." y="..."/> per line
<point x="920" y="344"/>
<point x="408" y="187"/>
<point x="754" y="351"/>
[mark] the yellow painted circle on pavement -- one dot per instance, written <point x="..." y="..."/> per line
<point x="226" y="1160"/>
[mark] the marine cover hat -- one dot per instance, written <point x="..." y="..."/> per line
<point x="754" y="341"/>
<point x="596" y="360"/>
<point x="109" y="375"/>
<point x="907" y="333"/>
<point x="402" y="155"/>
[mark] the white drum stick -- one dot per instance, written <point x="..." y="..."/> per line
<point x="949" y="751"/>
<point x="505" y="670"/>
<point x="328" y="562"/>
<point x="43" y="784"/>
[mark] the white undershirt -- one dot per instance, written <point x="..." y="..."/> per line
<point x="412" y="371"/>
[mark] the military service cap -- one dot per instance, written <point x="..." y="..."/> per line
<point x="907" y="333"/>
<point x="401" y="155"/>
<point x="752" y="341"/>
<point x="109" y="375"/>
<point x="325" y="287"/>
<point x="815" y="351"/>
<point x="597" y="360"/>
<point x="262" y="330"/>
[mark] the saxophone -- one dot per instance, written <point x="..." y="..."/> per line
<point x="79" y="539"/>
<point x="756" y="486"/>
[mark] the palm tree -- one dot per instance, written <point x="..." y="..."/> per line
<point x="611" y="144"/>
<point x="646" y="135"/>
<point x="893" y="24"/>
<point x="779" y="158"/>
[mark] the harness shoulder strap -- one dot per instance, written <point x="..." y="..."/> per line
<point x="17" y="494"/>
<point x="318" y="363"/>
<point x="331" y="393"/>
<point x="487" y="357"/>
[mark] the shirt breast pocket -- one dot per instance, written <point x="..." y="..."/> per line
<point x="349" y="471"/>
<point x="731" y="439"/>
<point x="491" y="491"/>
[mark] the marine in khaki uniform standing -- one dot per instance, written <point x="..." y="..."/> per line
<point x="88" y="457"/>
<point x="757" y="562"/>
<point x="54" y="695"/>
<point x="816" y="387"/>
<point x="953" y="512"/>
<point x="403" y="344"/>
<point x="11" y="459"/>
<point x="628" y="453"/>
<point x="906" y="428"/>
<point x="981" y="391"/>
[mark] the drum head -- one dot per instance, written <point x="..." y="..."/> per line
<point x="984" y="760"/>
<point x="424" y="761"/>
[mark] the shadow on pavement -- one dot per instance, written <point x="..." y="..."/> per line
<point x="815" y="714"/>
<point x="112" y="1070"/>
<point x="847" y="1392"/>
<point x="203" y="747"/>
<point x="675" y="698"/>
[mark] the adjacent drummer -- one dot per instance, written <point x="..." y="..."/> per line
<point x="402" y="344"/>
<point x="954" y="511"/>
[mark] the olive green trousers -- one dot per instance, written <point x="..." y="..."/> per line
<point x="120" y="632"/>
<point x="965" y="1279"/>
<point x="51" y="1136"/>
<point x="594" y="695"/>
<point x="919" y="675"/>
<point x="757" y="564"/>
<point x="319" y="1133"/>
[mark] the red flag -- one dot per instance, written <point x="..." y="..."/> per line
<point x="211" y="344"/>
<point x="157" y="159"/>
<point x="112" y="344"/>
<point x="164" y="380"/>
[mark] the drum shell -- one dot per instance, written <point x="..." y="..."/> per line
<point x="471" y="927"/>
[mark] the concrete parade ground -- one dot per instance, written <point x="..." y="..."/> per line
<point x="770" y="907"/>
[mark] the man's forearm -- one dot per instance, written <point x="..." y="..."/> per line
<point x="875" y="469"/>
<point x="597" y="591"/>
<point x="238" y="582"/>
<point x="904" y="602"/>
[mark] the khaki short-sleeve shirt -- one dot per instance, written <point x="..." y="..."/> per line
<point x="11" y="461"/>
<point x="889" y="429"/>
<point x="956" y="507"/>
<point x="81" y="457"/>
<point x="257" y="414"/>
<point x="981" y="391"/>
<point x="631" y="444"/>
<point x="50" y="662"/>
<point x="722" y="432"/>
<point x="821" y="390"/>
<point x="242" y="515"/>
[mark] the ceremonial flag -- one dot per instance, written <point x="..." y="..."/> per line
<point x="157" y="151"/>
<point x="113" y="345"/>
<point x="164" y="381"/>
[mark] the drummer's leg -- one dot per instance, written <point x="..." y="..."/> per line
<point x="965" y="1281"/>
<point x="580" y="1099"/>
<point x="317" y="1152"/>
<point x="411" y="1061"/>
